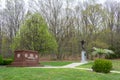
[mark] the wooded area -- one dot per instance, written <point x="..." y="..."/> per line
<point x="56" y="27"/>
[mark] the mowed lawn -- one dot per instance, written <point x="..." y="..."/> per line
<point x="116" y="65"/>
<point x="56" y="63"/>
<point x="53" y="74"/>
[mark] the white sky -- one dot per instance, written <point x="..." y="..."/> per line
<point x="101" y="1"/>
<point x="74" y="1"/>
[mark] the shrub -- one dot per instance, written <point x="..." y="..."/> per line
<point x="1" y="60"/>
<point x="112" y="56"/>
<point x="116" y="49"/>
<point x="7" y="61"/>
<point x="102" y="65"/>
<point x="101" y="52"/>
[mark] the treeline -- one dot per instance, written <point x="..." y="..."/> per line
<point x="65" y="24"/>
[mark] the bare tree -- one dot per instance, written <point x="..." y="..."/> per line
<point x="71" y="24"/>
<point x="12" y="16"/>
<point x="111" y="19"/>
<point x="14" y="13"/>
<point x="0" y="29"/>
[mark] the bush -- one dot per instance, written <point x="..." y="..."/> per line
<point x="7" y="61"/>
<point x="102" y="65"/>
<point x="112" y="56"/>
<point x="1" y="60"/>
<point x="116" y="49"/>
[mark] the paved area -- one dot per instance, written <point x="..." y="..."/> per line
<point x="115" y="71"/>
<point x="92" y="70"/>
<point x="73" y="66"/>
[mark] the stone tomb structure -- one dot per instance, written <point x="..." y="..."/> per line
<point x="26" y="58"/>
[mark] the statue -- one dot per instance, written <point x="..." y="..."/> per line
<point x="82" y="43"/>
<point x="83" y="53"/>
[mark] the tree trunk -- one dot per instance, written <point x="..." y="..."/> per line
<point x="0" y="41"/>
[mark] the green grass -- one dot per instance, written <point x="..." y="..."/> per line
<point x="88" y="65"/>
<point x="116" y="65"/>
<point x="56" y="63"/>
<point x="53" y="74"/>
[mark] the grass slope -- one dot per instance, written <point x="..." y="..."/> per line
<point x="53" y="74"/>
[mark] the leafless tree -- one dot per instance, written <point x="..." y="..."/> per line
<point x="14" y="12"/>
<point x="12" y="16"/>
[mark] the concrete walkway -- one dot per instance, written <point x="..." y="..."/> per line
<point x="73" y="66"/>
<point x="92" y="70"/>
<point x="88" y="69"/>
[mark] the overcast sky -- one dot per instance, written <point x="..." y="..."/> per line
<point x="101" y="1"/>
<point x="74" y="1"/>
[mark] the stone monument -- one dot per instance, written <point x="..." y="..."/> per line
<point x="83" y="53"/>
<point x="25" y="58"/>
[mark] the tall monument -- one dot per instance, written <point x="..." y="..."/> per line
<point x="83" y="52"/>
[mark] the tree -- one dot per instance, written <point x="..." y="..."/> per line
<point x="113" y="25"/>
<point x="0" y="36"/>
<point x="11" y="17"/>
<point x="14" y="13"/>
<point x="60" y="23"/>
<point x="97" y="24"/>
<point x="0" y="28"/>
<point x="34" y="35"/>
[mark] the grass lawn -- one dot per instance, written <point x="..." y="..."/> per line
<point x="116" y="65"/>
<point x="88" y="65"/>
<point x="56" y="63"/>
<point x="53" y="74"/>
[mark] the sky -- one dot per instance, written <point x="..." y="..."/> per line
<point x="101" y="1"/>
<point x="73" y="1"/>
